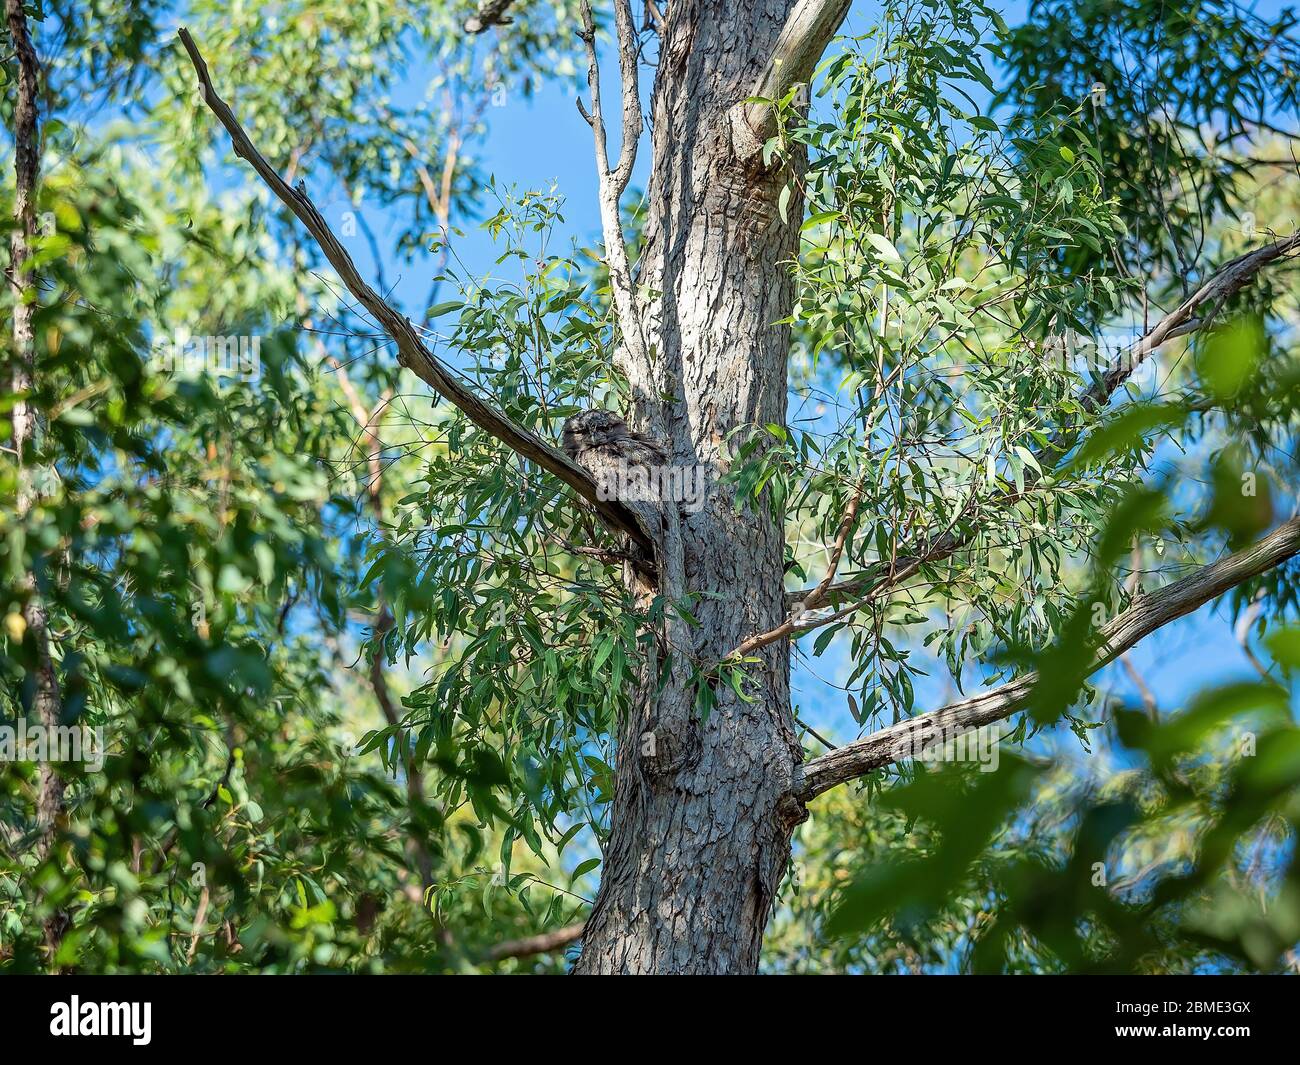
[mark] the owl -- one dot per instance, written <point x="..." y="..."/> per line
<point x="625" y="465"/>
<point x="599" y="439"/>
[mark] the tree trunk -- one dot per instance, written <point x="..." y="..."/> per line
<point x="700" y="835"/>
<point x="27" y="428"/>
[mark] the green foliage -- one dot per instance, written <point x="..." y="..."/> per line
<point x="962" y="275"/>
<point x="1172" y="865"/>
<point x="199" y="541"/>
<point x="927" y="281"/>
<point x="359" y="699"/>
<point x="180" y="521"/>
<point x="544" y="647"/>
<point x="965" y="287"/>
<point x="1176" y="130"/>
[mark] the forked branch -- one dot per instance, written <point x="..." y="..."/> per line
<point x="808" y="29"/>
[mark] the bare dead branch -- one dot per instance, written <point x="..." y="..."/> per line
<point x="1242" y="633"/>
<point x="1197" y="311"/>
<point x="1147" y="613"/>
<point x="1144" y="691"/>
<point x="411" y="350"/>
<point x="627" y="68"/>
<point x="652" y="18"/>
<point x="800" y="622"/>
<point x="197" y="928"/>
<point x="837" y="549"/>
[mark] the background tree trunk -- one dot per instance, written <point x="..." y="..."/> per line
<point x="27" y="429"/>
<point x="701" y="829"/>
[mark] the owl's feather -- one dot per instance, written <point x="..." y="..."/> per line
<point x="602" y="444"/>
<point x="605" y="432"/>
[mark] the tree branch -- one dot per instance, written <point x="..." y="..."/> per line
<point x="28" y="428"/>
<point x="370" y="422"/>
<point x="807" y="31"/>
<point x="613" y="182"/>
<point x="1147" y="613"/>
<point x="620" y="175"/>
<point x="411" y="350"/>
<point x="653" y="18"/>
<point x="490" y="13"/>
<point x="1185" y="319"/>
<point x="814" y="598"/>
<point x="1242" y="633"/>
<point x="538" y="944"/>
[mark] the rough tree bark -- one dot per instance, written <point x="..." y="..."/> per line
<point x="701" y="827"/>
<point x="700" y="834"/>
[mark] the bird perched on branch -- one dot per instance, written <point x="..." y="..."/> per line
<point x="598" y="439"/>
<point x="625" y="465"/>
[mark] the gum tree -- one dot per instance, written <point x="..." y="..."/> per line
<point x="937" y="276"/>
<point x="935" y="267"/>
